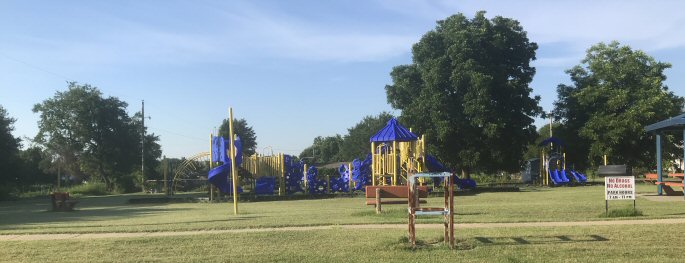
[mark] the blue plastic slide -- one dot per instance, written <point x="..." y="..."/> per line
<point x="562" y="176"/>
<point x="581" y="177"/>
<point x="218" y="176"/>
<point x="434" y="166"/>
<point x="555" y="177"/>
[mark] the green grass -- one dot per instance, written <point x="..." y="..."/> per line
<point x="525" y="244"/>
<point x="623" y="212"/>
<point x="640" y="243"/>
<point x="116" y="214"/>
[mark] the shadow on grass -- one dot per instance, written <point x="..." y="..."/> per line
<point x="35" y="213"/>
<point x="536" y="240"/>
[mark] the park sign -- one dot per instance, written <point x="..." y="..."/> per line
<point x="619" y="188"/>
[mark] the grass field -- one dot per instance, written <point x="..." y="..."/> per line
<point x="115" y="214"/>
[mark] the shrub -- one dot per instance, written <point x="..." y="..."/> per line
<point x="96" y="188"/>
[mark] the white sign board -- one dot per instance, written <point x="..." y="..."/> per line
<point x="619" y="188"/>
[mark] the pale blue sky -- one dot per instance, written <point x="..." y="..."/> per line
<point x="293" y="69"/>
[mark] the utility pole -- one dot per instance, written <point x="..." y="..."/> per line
<point x="142" y="150"/>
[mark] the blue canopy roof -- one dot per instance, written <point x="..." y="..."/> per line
<point x="394" y="131"/>
<point x="554" y="140"/>
<point x="675" y="123"/>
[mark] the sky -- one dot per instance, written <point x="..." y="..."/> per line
<point x="293" y="69"/>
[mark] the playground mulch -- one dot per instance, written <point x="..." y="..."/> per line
<point x="32" y="237"/>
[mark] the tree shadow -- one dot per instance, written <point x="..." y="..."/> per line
<point x="536" y="240"/>
<point x="35" y="213"/>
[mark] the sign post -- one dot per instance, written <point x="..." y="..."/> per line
<point x="618" y="188"/>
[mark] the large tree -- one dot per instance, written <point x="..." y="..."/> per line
<point x="468" y="91"/>
<point x="90" y="135"/>
<point x="9" y="149"/>
<point x="615" y="92"/>
<point x="246" y="133"/>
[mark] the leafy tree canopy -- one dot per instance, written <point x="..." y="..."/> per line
<point x="468" y="91"/>
<point x="246" y="133"/>
<point x="9" y="148"/>
<point x="356" y="143"/>
<point x="615" y="92"/>
<point x="91" y="135"/>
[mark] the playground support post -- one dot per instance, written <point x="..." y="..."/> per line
<point x="281" y="187"/>
<point x="234" y="173"/>
<point x="211" y="163"/>
<point x="373" y="163"/>
<point x="166" y="182"/>
<point x="394" y="163"/>
<point x="683" y="162"/>
<point x="306" y="183"/>
<point x="349" y="179"/>
<point x="658" y="163"/>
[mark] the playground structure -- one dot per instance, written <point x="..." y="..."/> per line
<point x="397" y="153"/>
<point x="553" y="168"/>
<point x="394" y="149"/>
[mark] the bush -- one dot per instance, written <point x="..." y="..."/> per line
<point x="88" y="189"/>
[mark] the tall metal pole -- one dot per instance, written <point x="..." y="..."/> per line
<point x="659" y="171"/>
<point x="142" y="150"/>
<point x="234" y="171"/>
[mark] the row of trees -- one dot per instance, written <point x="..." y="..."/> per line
<point x="355" y="144"/>
<point x="468" y="90"/>
<point x="87" y="136"/>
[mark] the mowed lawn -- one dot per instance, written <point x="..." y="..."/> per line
<point x="658" y="243"/>
<point x="115" y="214"/>
<point x="635" y="243"/>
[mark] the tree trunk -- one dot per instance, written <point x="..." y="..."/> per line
<point x="465" y="174"/>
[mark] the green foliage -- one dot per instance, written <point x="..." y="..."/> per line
<point x="91" y="135"/>
<point x="246" y="133"/>
<point x="95" y="188"/>
<point x="616" y="92"/>
<point x="355" y="144"/>
<point x="468" y="91"/>
<point x="9" y="160"/>
<point x="323" y="150"/>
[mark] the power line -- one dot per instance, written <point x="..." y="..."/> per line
<point x="68" y="79"/>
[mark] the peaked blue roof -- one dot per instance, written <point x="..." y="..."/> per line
<point x="394" y="131"/>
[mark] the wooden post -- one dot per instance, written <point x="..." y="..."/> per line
<point x="378" y="201"/>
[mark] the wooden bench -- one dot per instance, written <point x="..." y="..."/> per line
<point x="62" y="202"/>
<point x="676" y="175"/>
<point x="387" y="194"/>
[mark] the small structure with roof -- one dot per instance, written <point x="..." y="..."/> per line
<point x="394" y="150"/>
<point x="672" y="125"/>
